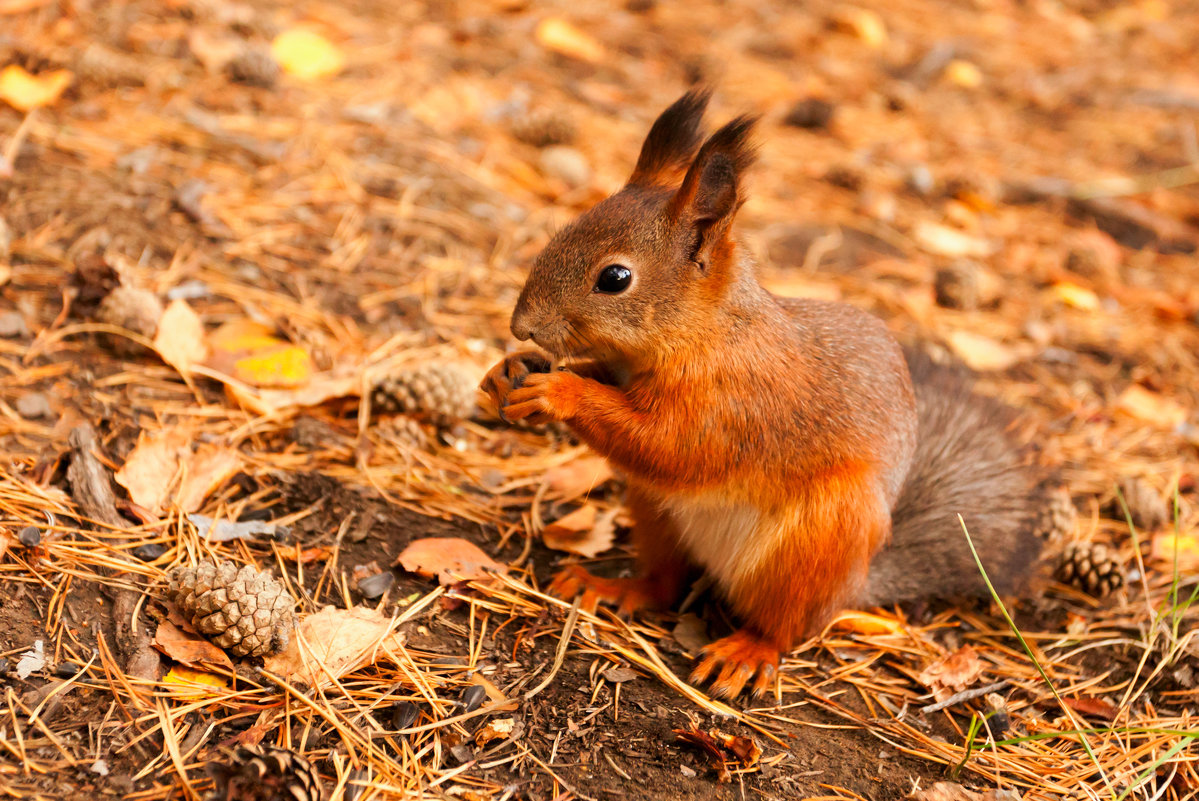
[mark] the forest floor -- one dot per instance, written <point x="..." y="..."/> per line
<point x="1012" y="183"/>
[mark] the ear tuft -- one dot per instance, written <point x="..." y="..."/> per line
<point x="712" y="188"/>
<point x="672" y="140"/>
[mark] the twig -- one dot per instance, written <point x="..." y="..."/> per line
<point x="560" y="655"/>
<point x="964" y="695"/>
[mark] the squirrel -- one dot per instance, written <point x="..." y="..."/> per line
<point x="789" y="448"/>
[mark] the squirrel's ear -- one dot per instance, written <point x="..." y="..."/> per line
<point x="712" y="190"/>
<point x="671" y="141"/>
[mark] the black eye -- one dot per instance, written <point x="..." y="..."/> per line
<point x="613" y="279"/>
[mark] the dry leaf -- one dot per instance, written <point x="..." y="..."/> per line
<point x="332" y="643"/>
<point x="562" y="37"/>
<point x="746" y="750"/>
<point x="180" y="337"/>
<point x="1092" y="707"/>
<point x="866" y="623"/>
<point x="952" y="673"/>
<point x="945" y="241"/>
<point x="190" y="649"/>
<point x="451" y="559"/>
<point x="307" y="55"/>
<point x="1076" y="296"/>
<point x="982" y="353"/>
<point x="495" y="730"/>
<point x="152" y="467"/>
<point x="579" y="477"/>
<point x="1150" y="407"/>
<point x="583" y="531"/>
<point x="250" y="352"/>
<point x="26" y="92"/>
<point x="951" y="791"/>
<point x="691" y="632"/>
<point x="964" y="74"/>
<point x="1168" y="545"/>
<point x="204" y="473"/>
<point x="193" y="684"/>
<point x="790" y="287"/>
<point x="864" y="24"/>
<point x="340" y="383"/>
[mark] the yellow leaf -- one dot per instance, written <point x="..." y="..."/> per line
<point x="249" y="352"/>
<point x="866" y="623"/>
<point x="1076" y="296"/>
<point x="189" y="683"/>
<point x="1150" y="407"/>
<point x="25" y="92"/>
<point x="1169" y="545"/>
<point x="964" y="74"/>
<point x="980" y="352"/>
<point x="863" y="23"/>
<point x="563" y="38"/>
<point x="307" y="55"/>
<point x="180" y="337"/>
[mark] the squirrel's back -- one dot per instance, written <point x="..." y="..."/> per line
<point x="968" y="462"/>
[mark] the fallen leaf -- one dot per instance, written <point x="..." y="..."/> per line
<point x="225" y="530"/>
<point x="180" y="337"/>
<point x="952" y="673"/>
<point x="1151" y="407"/>
<point x="746" y="750"/>
<point x="1076" y="296"/>
<point x="451" y="559"/>
<point x="619" y="675"/>
<point x="7" y="540"/>
<point x="307" y="55"/>
<point x="579" y="477"/>
<point x="32" y="660"/>
<point x="250" y="352"/>
<point x="982" y="353"/>
<point x="691" y="632"/>
<point x="866" y="623"/>
<point x="334" y="642"/>
<point x="951" y="791"/>
<point x="864" y="24"/>
<point x="706" y="744"/>
<point x="964" y="74"/>
<point x="563" y="37"/>
<point x="190" y="649"/>
<point x="584" y="531"/>
<point x="1092" y="707"/>
<point x="26" y="92"/>
<point x="193" y="684"/>
<point x="153" y="466"/>
<point x="204" y="472"/>
<point x="341" y="383"/>
<point x="1169" y="545"/>
<point x="495" y="730"/>
<point x="945" y="241"/>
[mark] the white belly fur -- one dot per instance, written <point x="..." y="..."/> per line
<point x="724" y="539"/>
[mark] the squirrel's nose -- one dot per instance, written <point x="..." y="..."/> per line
<point x="522" y="326"/>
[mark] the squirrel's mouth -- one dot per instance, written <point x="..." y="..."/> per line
<point x="563" y="340"/>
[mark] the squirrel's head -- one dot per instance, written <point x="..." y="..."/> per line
<point x="636" y="273"/>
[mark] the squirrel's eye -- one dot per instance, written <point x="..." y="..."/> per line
<point x="613" y="279"/>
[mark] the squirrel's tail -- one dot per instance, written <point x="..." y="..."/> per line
<point x="967" y="463"/>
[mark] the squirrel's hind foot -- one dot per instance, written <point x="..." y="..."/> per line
<point x="628" y="595"/>
<point x="741" y="656"/>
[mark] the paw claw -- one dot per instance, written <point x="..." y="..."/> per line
<point x="629" y="595"/>
<point x="741" y="656"/>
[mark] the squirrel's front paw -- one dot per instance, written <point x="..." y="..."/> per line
<point x="510" y="375"/>
<point x="739" y="657"/>
<point x="544" y="397"/>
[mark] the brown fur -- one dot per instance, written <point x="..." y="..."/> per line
<point x="764" y="440"/>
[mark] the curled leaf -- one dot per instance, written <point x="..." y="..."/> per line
<point x="334" y="642"/>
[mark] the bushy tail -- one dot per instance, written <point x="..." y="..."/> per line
<point x="967" y="462"/>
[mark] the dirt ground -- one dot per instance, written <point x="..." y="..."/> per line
<point x="1014" y="184"/>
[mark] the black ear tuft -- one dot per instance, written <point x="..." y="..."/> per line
<point x="672" y="140"/>
<point x="712" y="187"/>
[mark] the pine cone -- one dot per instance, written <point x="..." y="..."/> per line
<point x="245" y="611"/>
<point x="265" y="773"/>
<point x="1091" y="567"/>
<point x="1146" y="507"/>
<point x="1056" y="515"/>
<point x="254" y="65"/>
<point x="137" y="310"/>
<point x="441" y="390"/>
<point x="404" y="432"/>
<point x="544" y="128"/>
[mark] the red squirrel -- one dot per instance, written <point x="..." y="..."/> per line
<point x="789" y="448"/>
